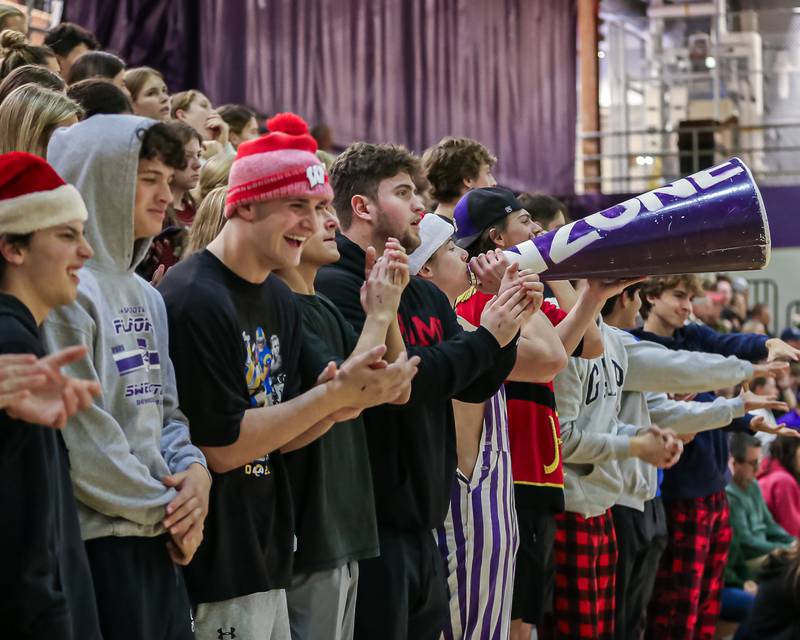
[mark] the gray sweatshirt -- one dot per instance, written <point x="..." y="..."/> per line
<point x="134" y="434"/>
<point x="593" y="438"/>
<point x="594" y="431"/>
<point x="653" y="371"/>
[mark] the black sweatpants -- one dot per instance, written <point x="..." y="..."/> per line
<point x="402" y="594"/>
<point x="140" y="592"/>
<point x="536" y="566"/>
<point x="641" y="540"/>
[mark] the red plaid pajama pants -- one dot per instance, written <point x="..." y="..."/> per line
<point x="586" y="560"/>
<point x="686" y="598"/>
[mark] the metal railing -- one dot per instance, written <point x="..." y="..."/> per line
<point x="770" y="163"/>
<point x="765" y="291"/>
<point x="793" y="313"/>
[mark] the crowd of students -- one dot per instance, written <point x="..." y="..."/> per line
<point x="252" y="390"/>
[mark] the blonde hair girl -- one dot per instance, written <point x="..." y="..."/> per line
<point x="30" y="114"/>
<point x="208" y="221"/>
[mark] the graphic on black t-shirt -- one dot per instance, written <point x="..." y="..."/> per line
<point x="265" y="383"/>
<point x="236" y="347"/>
<point x="265" y="380"/>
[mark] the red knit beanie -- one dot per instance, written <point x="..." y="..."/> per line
<point x="280" y="164"/>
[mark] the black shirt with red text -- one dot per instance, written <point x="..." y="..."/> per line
<point x="413" y="447"/>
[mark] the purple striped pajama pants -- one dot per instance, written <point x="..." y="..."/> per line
<point x="479" y="538"/>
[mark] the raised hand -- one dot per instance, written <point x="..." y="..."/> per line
<point x="754" y="401"/>
<point x="218" y="128"/>
<point x="398" y="261"/>
<point x="158" y="275"/>
<point x="53" y="401"/>
<point x="488" y="270"/>
<point x="366" y="380"/>
<point x="526" y="278"/>
<point x="381" y="292"/>
<point x="603" y="289"/>
<point x="504" y="314"/>
<point x="370" y="258"/>
<point x="780" y="350"/>
<point x="774" y="369"/>
<point x="19" y="374"/>
<point x="759" y="423"/>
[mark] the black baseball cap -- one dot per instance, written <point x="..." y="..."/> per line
<point x="479" y="209"/>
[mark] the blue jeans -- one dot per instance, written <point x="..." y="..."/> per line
<point x="736" y="604"/>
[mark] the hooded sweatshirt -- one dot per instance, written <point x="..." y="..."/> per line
<point x="654" y="371"/>
<point x="594" y="440"/>
<point x="782" y="494"/>
<point x="599" y="470"/>
<point x="45" y="583"/>
<point x="703" y="467"/>
<point x="134" y="435"/>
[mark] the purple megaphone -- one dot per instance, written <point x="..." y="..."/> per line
<point x="713" y="220"/>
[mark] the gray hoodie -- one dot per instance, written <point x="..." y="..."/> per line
<point x="596" y="433"/>
<point x="594" y="440"/>
<point x="133" y="435"/>
<point x="653" y="371"/>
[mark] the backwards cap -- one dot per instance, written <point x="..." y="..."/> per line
<point x="479" y="209"/>
<point x="433" y="233"/>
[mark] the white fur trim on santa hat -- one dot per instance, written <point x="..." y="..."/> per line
<point x="41" y="209"/>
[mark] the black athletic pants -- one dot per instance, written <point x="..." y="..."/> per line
<point x="641" y="539"/>
<point x="536" y="566"/>
<point x="140" y="592"/>
<point x="402" y="594"/>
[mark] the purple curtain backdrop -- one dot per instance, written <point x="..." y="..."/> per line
<point x="410" y="72"/>
<point x="155" y="33"/>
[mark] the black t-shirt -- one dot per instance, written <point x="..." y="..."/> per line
<point x="45" y="584"/>
<point x="235" y="346"/>
<point x="330" y="478"/>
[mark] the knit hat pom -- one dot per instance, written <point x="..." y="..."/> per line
<point x="277" y="165"/>
<point x="289" y="123"/>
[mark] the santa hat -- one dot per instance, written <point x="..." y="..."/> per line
<point x="33" y="196"/>
<point x="278" y="165"/>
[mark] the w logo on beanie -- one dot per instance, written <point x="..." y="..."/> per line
<point x="316" y="175"/>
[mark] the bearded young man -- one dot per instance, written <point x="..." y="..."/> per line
<point x="412" y="448"/>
